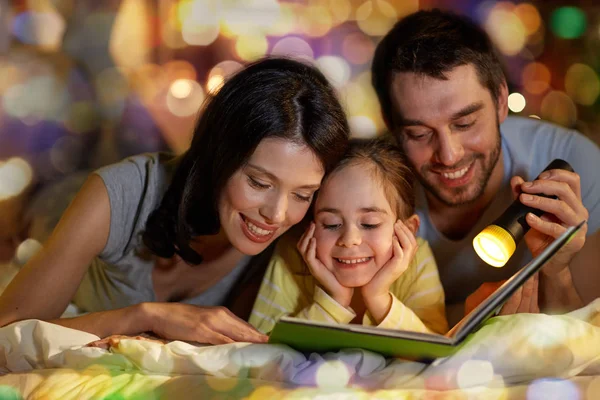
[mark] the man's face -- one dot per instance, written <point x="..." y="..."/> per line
<point x="449" y="130"/>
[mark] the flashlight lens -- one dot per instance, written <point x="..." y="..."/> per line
<point x="494" y="245"/>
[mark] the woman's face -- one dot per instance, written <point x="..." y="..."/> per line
<point x="354" y="225"/>
<point x="269" y="194"/>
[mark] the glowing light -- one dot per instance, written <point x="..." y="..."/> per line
<point x="188" y="105"/>
<point x="376" y="17"/>
<point x="42" y="97"/>
<point x="332" y="374"/>
<point x="25" y="251"/>
<point x="362" y="126"/>
<point x="353" y="97"/>
<point x="181" y="88"/>
<point x="251" y="47"/>
<point x="335" y="69"/>
<point x="340" y="10"/>
<point x="250" y="17"/>
<point x="66" y="153"/>
<point x="286" y="20"/>
<point x="219" y="73"/>
<point x="516" y="102"/>
<point x="43" y="29"/>
<point x="536" y="78"/>
<point x="529" y="16"/>
<point x="358" y="48"/>
<point x="130" y="35"/>
<point x="474" y="373"/>
<point x="568" y="22"/>
<point x="552" y="389"/>
<point x="9" y="393"/>
<point x="558" y="107"/>
<point x="293" y="47"/>
<point x="315" y="21"/>
<point x="506" y="30"/>
<point x="582" y="84"/>
<point x="15" y="176"/>
<point x="494" y="245"/>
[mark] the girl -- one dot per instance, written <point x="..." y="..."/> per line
<point x="161" y="243"/>
<point x="365" y="264"/>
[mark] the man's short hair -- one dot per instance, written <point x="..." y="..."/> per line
<point x="432" y="43"/>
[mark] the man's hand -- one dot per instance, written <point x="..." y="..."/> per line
<point x="567" y="210"/>
<point x="524" y="300"/>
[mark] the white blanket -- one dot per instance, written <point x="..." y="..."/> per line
<point x="507" y="350"/>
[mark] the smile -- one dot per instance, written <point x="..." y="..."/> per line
<point x="256" y="233"/>
<point x="457" y="174"/>
<point x="353" y="260"/>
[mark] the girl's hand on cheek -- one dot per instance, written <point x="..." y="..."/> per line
<point x="376" y="292"/>
<point x="307" y="245"/>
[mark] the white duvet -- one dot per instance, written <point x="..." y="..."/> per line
<point x="506" y="351"/>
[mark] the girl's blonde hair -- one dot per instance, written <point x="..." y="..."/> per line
<point x="389" y="167"/>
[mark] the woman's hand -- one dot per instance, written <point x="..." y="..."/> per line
<point x="376" y="293"/>
<point x="307" y="245"/>
<point x="213" y="325"/>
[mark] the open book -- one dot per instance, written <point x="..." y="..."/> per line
<point x="311" y="336"/>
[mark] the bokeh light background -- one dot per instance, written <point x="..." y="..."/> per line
<point x="84" y="83"/>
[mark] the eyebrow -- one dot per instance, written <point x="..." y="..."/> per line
<point x="471" y="108"/>
<point x="276" y="179"/>
<point x="363" y="210"/>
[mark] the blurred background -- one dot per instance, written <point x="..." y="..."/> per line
<point x="84" y="83"/>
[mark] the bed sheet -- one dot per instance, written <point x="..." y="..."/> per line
<point x="525" y="356"/>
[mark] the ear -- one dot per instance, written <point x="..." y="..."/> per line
<point x="502" y="102"/>
<point x="413" y="222"/>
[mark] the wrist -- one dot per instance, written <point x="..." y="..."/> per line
<point x="147" y="316"/>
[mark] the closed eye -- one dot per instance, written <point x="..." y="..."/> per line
<point x="371" y="226"/>
<point x="306" y="199"/>
<point x="254" y="183"/>
<point x="331" y="227"/>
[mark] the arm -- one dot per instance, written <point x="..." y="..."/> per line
<point x="286" y="290"/>
<point x="57" y="270"/>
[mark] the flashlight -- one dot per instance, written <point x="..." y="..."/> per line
<point x="497" y="242"/>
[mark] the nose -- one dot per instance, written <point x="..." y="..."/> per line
<point x="350" y="236"/>
<point x="450" y="149"/>
<point x="275" y="209"/>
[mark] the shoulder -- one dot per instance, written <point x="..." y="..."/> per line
<point x="532" y="144"/>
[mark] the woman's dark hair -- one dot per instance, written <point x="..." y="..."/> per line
<point x="389" y="167"/>
<point x="271" y="98"/>
<point x="431" y="43"/>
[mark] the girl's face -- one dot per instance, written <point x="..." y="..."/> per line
<point x="354" y="225"/>
<point x="269" y="194"/>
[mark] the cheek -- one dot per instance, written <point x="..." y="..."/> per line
<point x="383" y="245"/>
<point x="296" y="211"/>
<point x="237" y="195"/>
<point x="325" y="243"/>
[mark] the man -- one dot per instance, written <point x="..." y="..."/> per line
<point x="444" y="96"/>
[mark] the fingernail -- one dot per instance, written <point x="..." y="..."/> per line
<point x="527" y="197"/>
<point x="527" y="184"/>
<point x="532" y="216"/>
<point x="544" y="175"/>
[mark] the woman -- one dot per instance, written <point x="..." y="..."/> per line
<point x="138" y="263"/>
